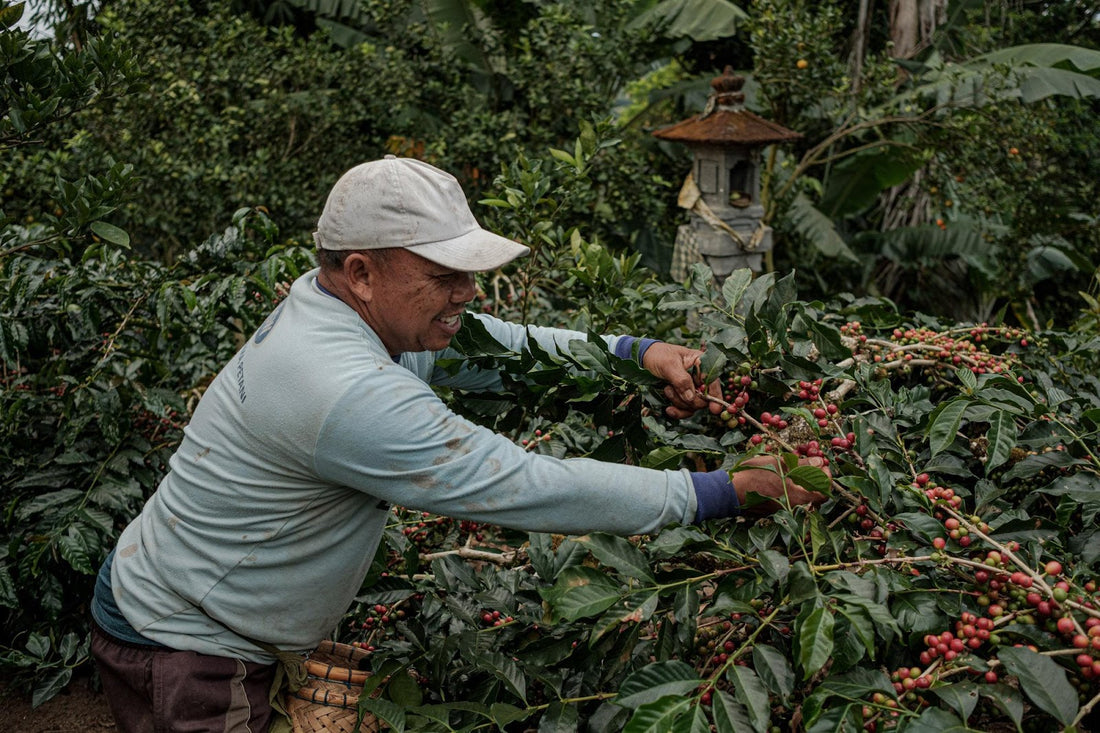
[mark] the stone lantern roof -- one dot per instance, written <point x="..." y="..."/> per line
<point x="725" y="121"/>
<point x="727" y="230"/>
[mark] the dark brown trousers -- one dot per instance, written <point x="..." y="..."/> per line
<point x="160" y="690"/>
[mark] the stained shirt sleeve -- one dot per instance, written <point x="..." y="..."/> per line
<point x="392" y="437"/>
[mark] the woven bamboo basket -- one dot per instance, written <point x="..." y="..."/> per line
<point x="329" y="701"/>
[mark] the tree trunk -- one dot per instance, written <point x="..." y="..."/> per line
<point x="859" y="45"/>
<point x="912" y="23"/>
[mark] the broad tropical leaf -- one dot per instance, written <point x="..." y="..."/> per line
<point x="818" y="229"/>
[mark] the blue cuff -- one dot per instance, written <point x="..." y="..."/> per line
<point x="714" y="496"/>
<point x="625" y="346"/>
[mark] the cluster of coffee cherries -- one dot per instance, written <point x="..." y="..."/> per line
<point x="1007" y="596"/>
<point x="714" y="641"/>
<point x="826" y="417"/>
<point x="769" y="420"/>
<point x="878" y="533"/>
<point x="536" y="437"/>
<point x="736" y="395"/>
<point x="951" y="348"/>
<point x="425" y="528"/>
<point x="824" y="420"/>
<point x="373" y="621"/>
<point x="152" y="425"/>
<point x="473" y="529"/>
<point x="971" y="632"/>
<point x="937" y="494"/>
<point x="1088" y="658"/>
<point x="491" y="617"/>
<point x="886" y="709"/>
<point x="805" y="438"/>
<point x="420" y="529"/>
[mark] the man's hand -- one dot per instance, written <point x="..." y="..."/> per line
<point x="760" y="475"/>
<point x="679" y="366"/>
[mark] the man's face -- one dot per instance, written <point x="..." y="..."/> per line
<point x="416" y="305"/>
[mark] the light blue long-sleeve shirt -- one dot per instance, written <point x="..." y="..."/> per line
<point x="277" y="497"/>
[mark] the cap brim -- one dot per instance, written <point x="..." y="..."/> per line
<point x="475" y="251"/>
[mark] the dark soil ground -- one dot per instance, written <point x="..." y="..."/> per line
<point x="79" y="708"/>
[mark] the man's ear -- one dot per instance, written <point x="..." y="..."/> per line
<point x="361" y="275"/>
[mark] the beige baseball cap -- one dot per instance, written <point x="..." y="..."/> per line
<point x="404" y="202"/>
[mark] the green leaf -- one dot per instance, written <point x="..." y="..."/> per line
<point x="967" y="377"/>
<point x="916" y="612"/>
<point x="1036" y="464"/>
<point x="11" y="15"/>
<point x="38" y="646"/>
<point x="1043" y="681"/>
<point x="50" y="684"/>
<point x="1039" y="55"/>
<point x="815" y="637"/>
<point x="937" y="720"/>
<point x="655" y="681"/>
<point x="633" y="609"/>
<point x="842" y="717"/>
<point x="504" y="714"/>
<point x="944" y="426"/>
<point x="658" y="716"/>
<point x="618" y="553"/>
<point x="389" y="712"/>
<point x="559" y="718"/>
<point x="110" y="233"/>
<point x="818" y="229"/>
<point x="774" y="670"/>
<point x="8" y="597"/>
<point x="591" y="355"/>
<point x="735" y="285"/>
<point x="694" y="722"/>
<point x="827" y="340"/>
<point x="665" y="457"/>
<point x="699" y="20"/>
<point x="563" y="156"/>
<point x="885" y="626"/>
<point x="1038" y="84"/>
<point x="751" y="693"/>
<point x="43" y="502"/>
<point x="730" y="716"/>
<point x="75" y="549"/>
<point x="775" y="565"/>
<point x="547" y="561"/>
<point x="1007" y="699"/>
<point x="580" y="592"/>
<point x="855" y="685"/>
<point x="856" y="181"/>
<point x="404" y="691"/>
<point x="674" y="539"/>
<point x="811" y="478"/>
<point x="860" y="629"/>
<point x="711" y="363"/>
<point x="962" y="697"/>
<point x="1001" y="438"/>
<point x="803" y="584"/>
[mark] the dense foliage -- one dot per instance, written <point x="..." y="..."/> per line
<point x="963" y="502"/>
<point x="904" y="185"/>
<point x="950" y="580"/>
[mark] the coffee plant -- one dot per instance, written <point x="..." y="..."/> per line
<point x="950" y="581"/>
<point x="104" y="355"/>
